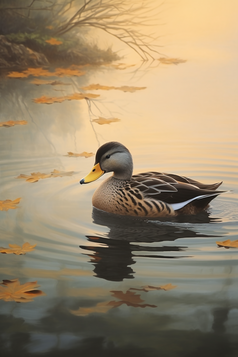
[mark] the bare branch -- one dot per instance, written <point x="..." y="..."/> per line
<point x="119" y="18"/>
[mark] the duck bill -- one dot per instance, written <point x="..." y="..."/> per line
<point x="93" y="175"/>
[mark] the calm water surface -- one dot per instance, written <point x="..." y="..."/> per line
<point x="93" y="267"/>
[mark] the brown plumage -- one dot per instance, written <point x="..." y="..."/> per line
<point x="150" y="194"/>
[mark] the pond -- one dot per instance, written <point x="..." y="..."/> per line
<point x="97" y="284"/>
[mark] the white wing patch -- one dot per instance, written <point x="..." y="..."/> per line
<point x="179" y="205"/>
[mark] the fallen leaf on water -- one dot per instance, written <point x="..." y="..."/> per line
<point x="119" y="65"/>
<point x="57" y="173"/>
<point x="36" y="176"/>
<point x="75" y="96"/>
<point x="129" y="89"/>
<point x="39" y="82"/>
<point x="122" y="88"/>
<point x="150" y="287"/>
<point x="9" y="204"/>
<point x="102" y="121"/>
<point x="40" y="72"/>
<point x="10" y="123"/>
<point x="83" y="154"/>
<point x="17" y="249"/>
<point x="165" y="60"/>
<point x="228" y="243"/>
<point x="161" y="287"/>
<point x="68" y="72"/>
<point x="12" y="290"/>
<point x="129" y="298"/>
<point x="53" y="41"/>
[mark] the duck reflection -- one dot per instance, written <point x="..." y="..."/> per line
<point x="112" y="258"/>
<point x="114" y="253"/>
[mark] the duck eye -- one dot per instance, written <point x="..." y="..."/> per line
<point x="108" y="156"/>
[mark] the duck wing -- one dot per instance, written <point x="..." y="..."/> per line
<point x="174" y="178"/>
<point x="177" y="191"/>
<point x="185" y="179"/>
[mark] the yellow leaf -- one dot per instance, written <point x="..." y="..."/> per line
<point x="122" y="88"/>
<point x="165" y="60"/>
<point x="49" y="27"/>
<point x="228" y="243"/>
<point x="8" y="204"/>
<point x="102" y="121"/>
<point x="151" y="288"/>
<point x="75" y="96"/>
<point x="129" y="89"/>
<point x="12" y="290"/>
<point x="40" y="72"/>
<point x="36" y="176"/>
<point x="18" y="250"/>
<point x="97" y="86"/>
<point x="83" y="154"/>
<point x="57" y="173"/>
<point x="10" y="123"/>
<point x="167" y="287"/>
<point x="39" y="82"/>
<point x="120" y="66"/>
<point x="53" y="41"/>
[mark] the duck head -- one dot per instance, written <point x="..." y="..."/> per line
<point x="111" y="157"/>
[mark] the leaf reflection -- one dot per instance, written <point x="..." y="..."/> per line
<point x="128" y="298"/>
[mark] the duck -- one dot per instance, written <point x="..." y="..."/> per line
<point x="147" y="194"/>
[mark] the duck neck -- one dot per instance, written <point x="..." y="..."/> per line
<point x="124" y="172"/>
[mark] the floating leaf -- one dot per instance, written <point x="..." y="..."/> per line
<point x="12" y="290"/>
<point x="165" y="60"/>
<point x="40" y="72"/>
<point x="102" y="121"/>
<point x="96" y="87"/>
<point x="228" y="243"/>
<point x="8" y="204"/>
<point x="83" y="154"/>
<point x="36" y="176"/>
<point x="17" y="249"/>
<point x="129" y="89"/>
<point x="57" y="173"/>
<point x="39" y="82"/>
<point x="53" y="41"/>
<point x="120" y="66"/>
<point x="10" y="123"/>
<point x="75" y="96"/>
<point x="161" y="287"/>
<point x="150" y="287"/>
<point x="129" y="298"/>
<point x="122" y="88"/>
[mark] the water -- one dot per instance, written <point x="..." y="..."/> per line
<point x="95" y="269"/>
